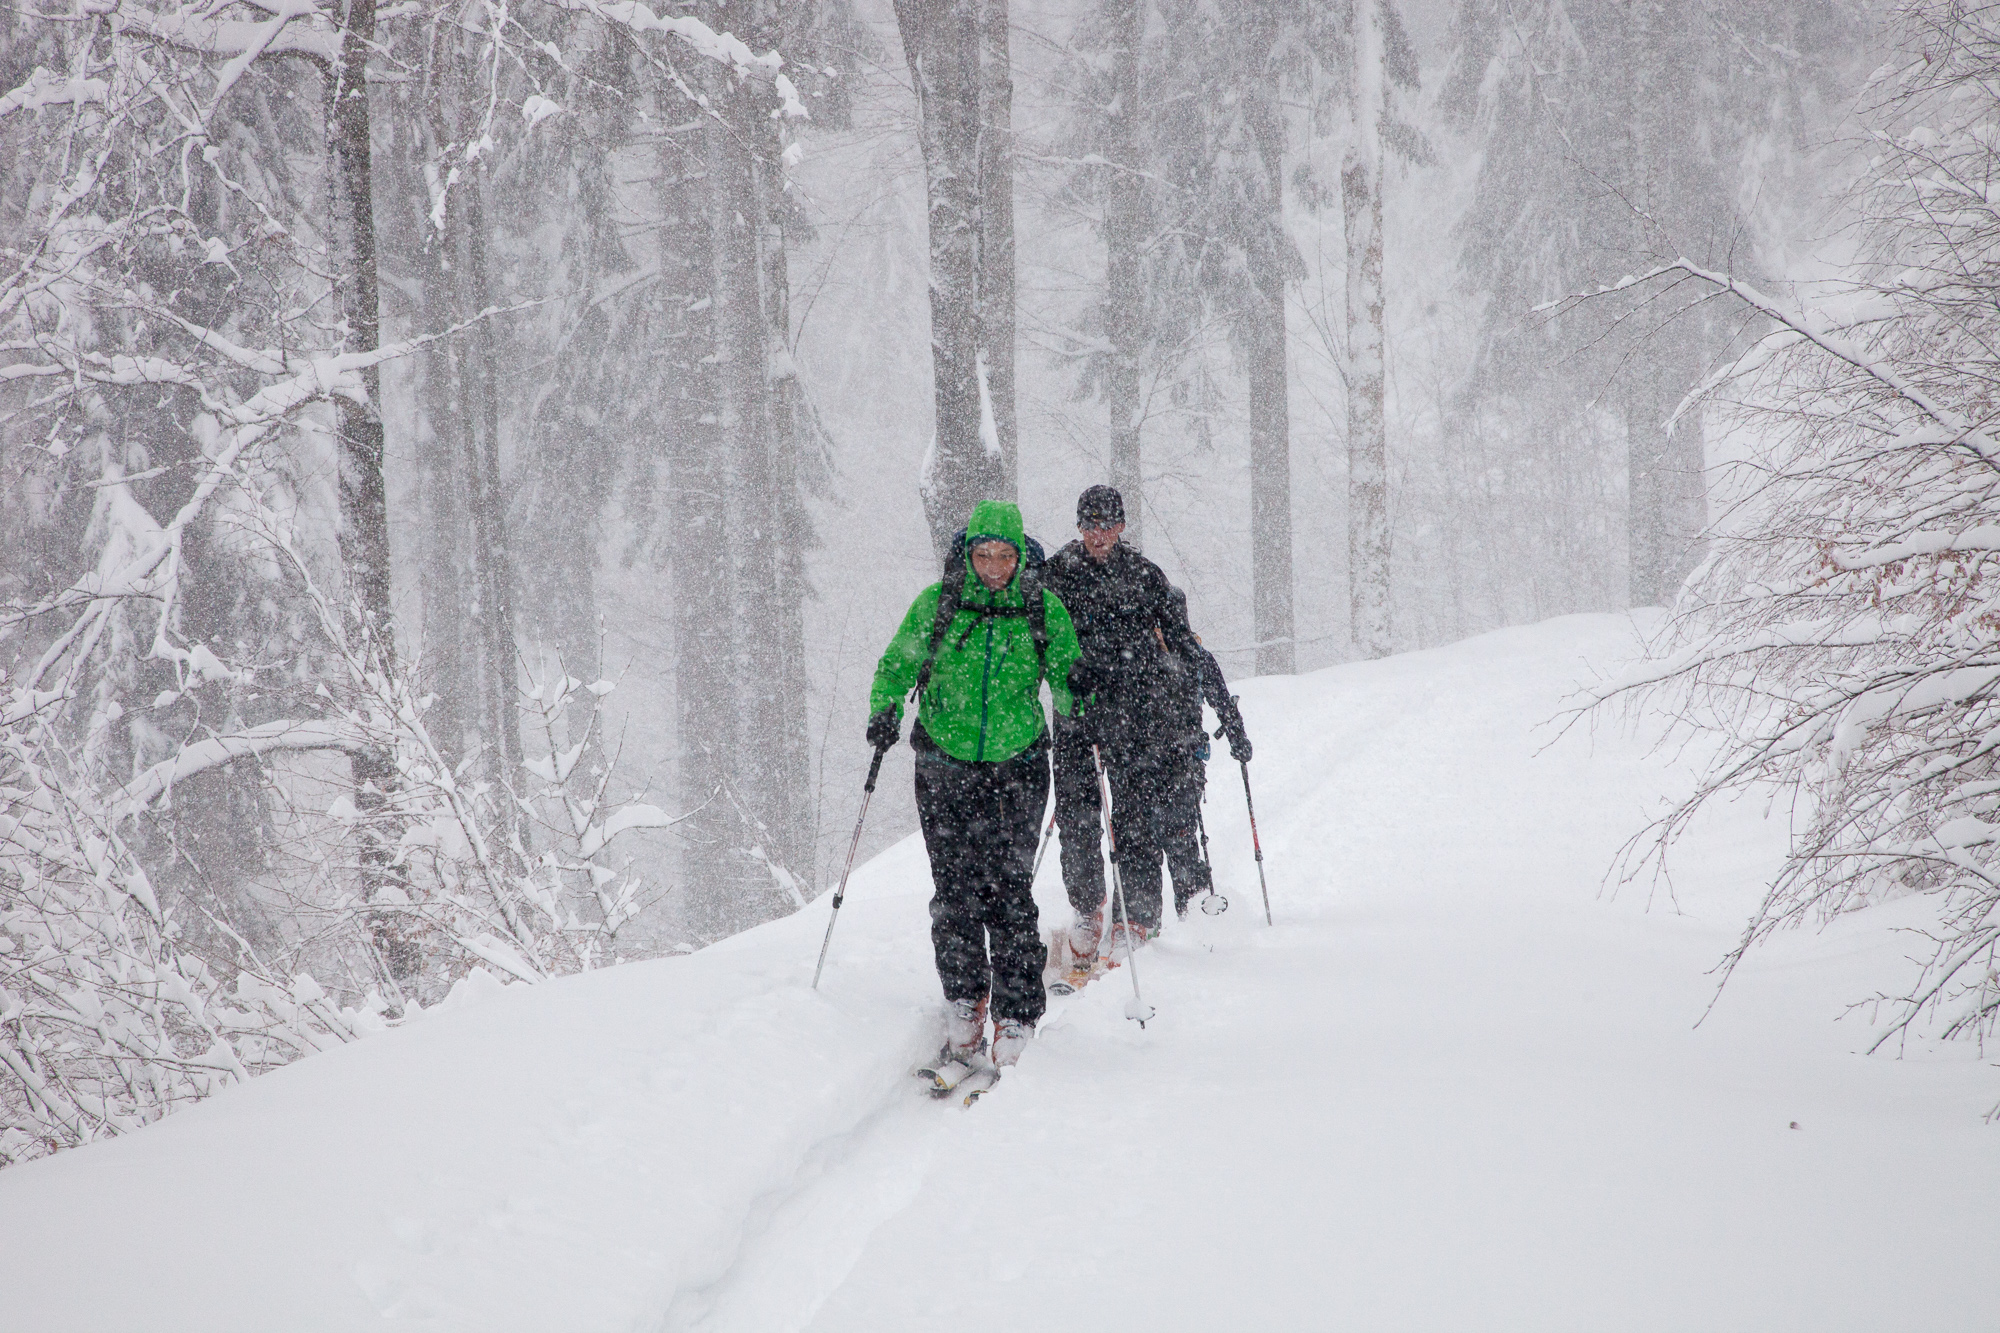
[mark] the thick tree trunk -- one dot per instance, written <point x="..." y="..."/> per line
<point x="448" y="654"/>
<point x="701" y="426"/>
<point x="1368" y="567"/>
<point x="1645" y="463"/>
<point x="469" y="647"/>
<point x="790" y="526"/>
<point x="764" y="790"/>
<point x="364" y="507"/>
<point x="1666" y="499"/>
<point x="942" y="41"/>
<point x="364" y="504"/>
<point x="1265" y="370"/>
<point x="995" y="163"/>
<point x="494" y="590"/>
<point x="1664" y="484"/>
<point x="1124" y="235"/>
<point x="738" y="570"/>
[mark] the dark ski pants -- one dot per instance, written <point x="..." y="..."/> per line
<point x="1141" y="775"/>
<point x="980" y="822"/>
<point x="1180" y="829"/>
<point x="1140" y="780"/>
<point x="1079" y="818"/>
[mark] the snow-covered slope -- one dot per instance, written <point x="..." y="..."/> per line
<point x="1454" y="1088"/>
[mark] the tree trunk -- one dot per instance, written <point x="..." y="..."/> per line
<point x="364" y="509"/>
<point x="1368" y="568"/>
<point x="364" y="504"/>
<point x="453" y="717"/>
<point x="1645" y="461"/>
<point x="995" y="299"/>
<point x="1666" y="499"/>
<point x="469" y="648"/>
<point x="790" y="526"/>
<point x="494" y="591"/>
<point x="1263" y="335"/>
<point x="706" y="732"/>
<point x="739" y="583"/>
<point x="764" y="791"/>
<point x="943" y="42"/>
<point x="1124" y="235"/>
<point x="1650" y="391"/>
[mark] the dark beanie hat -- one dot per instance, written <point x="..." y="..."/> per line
<point x="1099" y="505"/>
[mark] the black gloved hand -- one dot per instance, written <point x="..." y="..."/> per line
<point x="1239" y="739"/>
<point x="1083" y="723"/>
<point x="1084" y="681"/>
<point x="884" y="730"/>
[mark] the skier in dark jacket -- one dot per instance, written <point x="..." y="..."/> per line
<point x="982" y="777"/>
<point x="1127" y="624"/>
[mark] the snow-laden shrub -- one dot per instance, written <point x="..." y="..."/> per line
<point x="108" y="1019"/>
<point x="106" y="1022"/>
<point x="1844" y="631"/>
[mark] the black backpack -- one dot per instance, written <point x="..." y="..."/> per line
<point x="1033" y="598"/>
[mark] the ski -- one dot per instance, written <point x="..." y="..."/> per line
<point x="945" y="1074"/>
<point x="1073" y="980"/>
<point x="973" y="1086"/>
<point x="949" y="1079"/>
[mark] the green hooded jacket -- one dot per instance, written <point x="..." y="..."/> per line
<point x="984" y="699"/>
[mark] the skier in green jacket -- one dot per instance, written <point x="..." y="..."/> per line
<point x="982" y="753"/>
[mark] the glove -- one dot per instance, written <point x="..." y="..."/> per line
<point x="1082" y="725"/>
<point x="1239" y="739"/>
<point x="1084" y="681"/>
<point x="884" y="730"/>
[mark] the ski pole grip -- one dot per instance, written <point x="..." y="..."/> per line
<point x="875" y="769"/>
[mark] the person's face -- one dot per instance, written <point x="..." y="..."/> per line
<point x="994" y="563"/>
<point x="1098" y="541"/>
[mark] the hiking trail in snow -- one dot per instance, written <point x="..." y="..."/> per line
<point x="1458" y="1086"/>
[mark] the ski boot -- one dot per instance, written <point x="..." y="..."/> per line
<point x="964" y="1048"/>
<point x="1082" y="942"/>
<point x="1010" y="1037"/>
<point x="1125" y="941"/>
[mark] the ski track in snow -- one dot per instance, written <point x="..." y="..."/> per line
<point x="1459" y="1087"/>
<point x="800" y="1241"/>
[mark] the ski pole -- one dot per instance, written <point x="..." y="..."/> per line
<point x="1212" y="903"/>
<point x="1138" y="1010"/>
<point x="1251" y="806"/>
<point x="867" y="793"/>
<point x="1044" y="847"/>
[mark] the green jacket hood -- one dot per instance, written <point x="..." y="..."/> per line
<point x="996" y="520"/>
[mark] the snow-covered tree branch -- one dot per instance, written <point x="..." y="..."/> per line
<point x="1844" y="633"/>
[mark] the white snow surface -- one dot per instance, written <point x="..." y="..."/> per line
<point x="1456" y="1087"/>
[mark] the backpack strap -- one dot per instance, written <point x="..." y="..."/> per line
<point x="1036" y="598"/>
<point x="949" y="594"/>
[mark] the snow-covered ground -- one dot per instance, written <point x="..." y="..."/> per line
<point x="1455" y="1088"/>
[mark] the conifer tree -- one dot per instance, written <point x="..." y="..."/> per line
<point x="1618" y="136"/>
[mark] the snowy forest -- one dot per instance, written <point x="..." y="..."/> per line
<point x="461" y="459"/>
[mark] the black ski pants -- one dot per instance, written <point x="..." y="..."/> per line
<point x="980" y="822"/>
<point x="1142" y="773"/>
<point x="1180" y="828"/>
<point x="1079" y="816"/>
